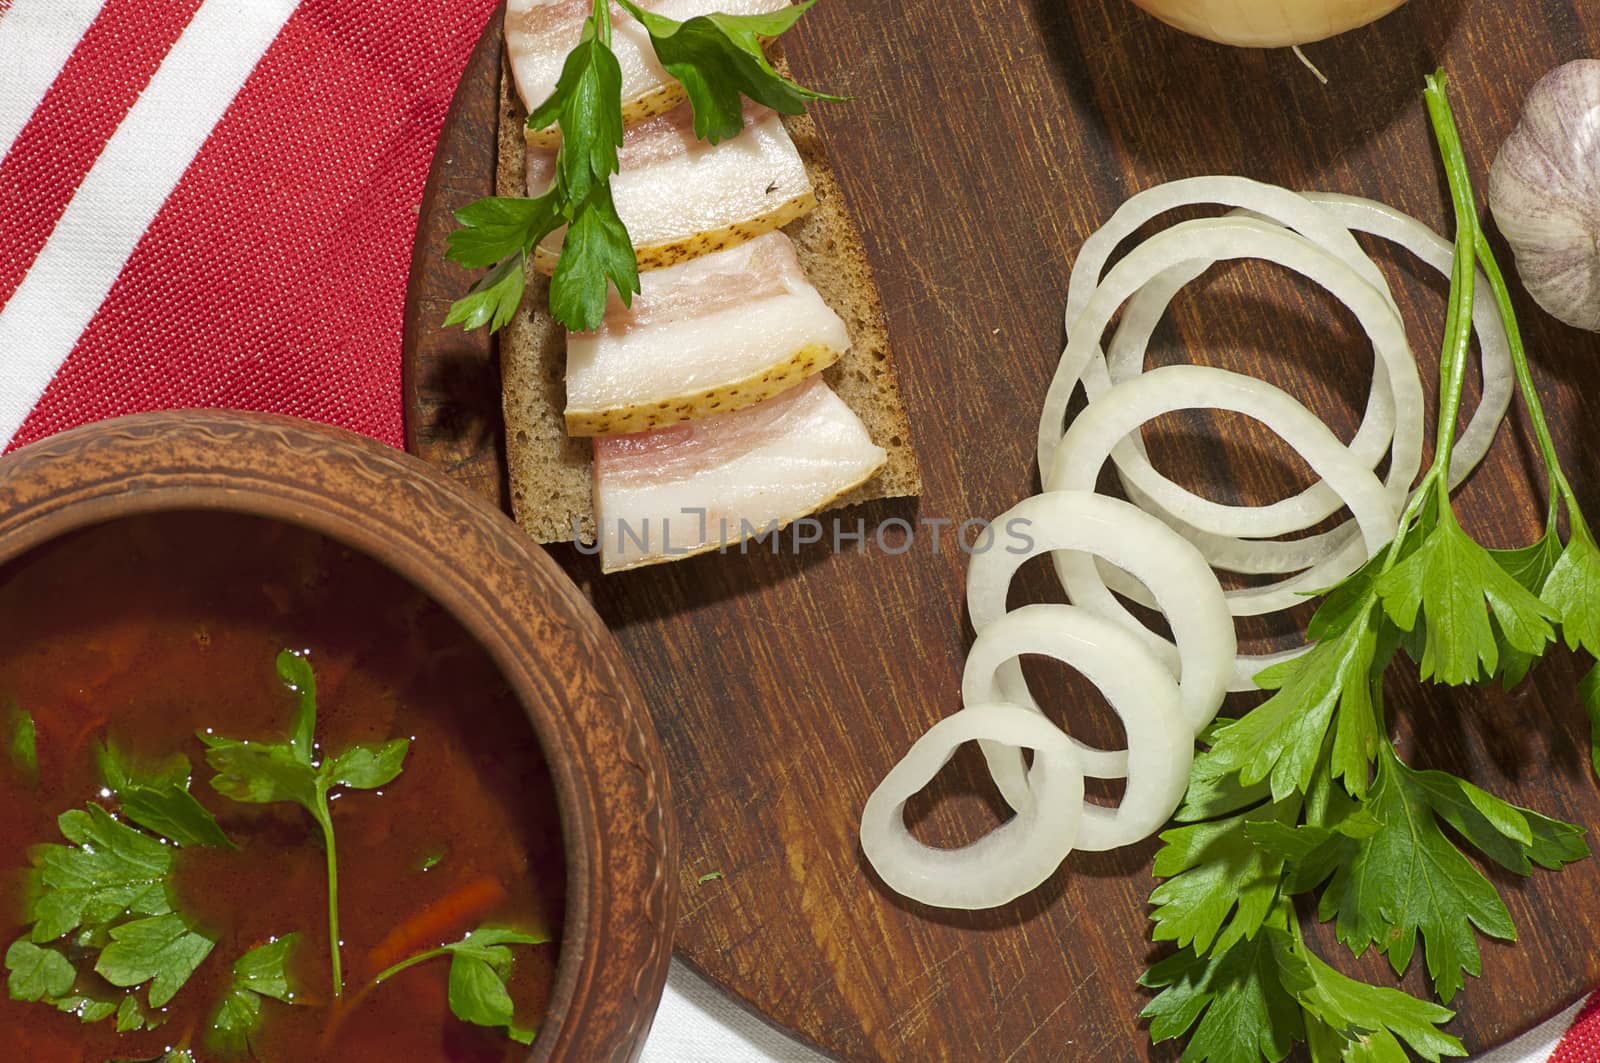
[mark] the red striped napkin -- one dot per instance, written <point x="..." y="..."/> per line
<point x="212" y="203"/>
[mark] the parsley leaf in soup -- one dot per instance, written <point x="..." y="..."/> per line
<point x="368" y="767"/>
<point x="261" y="972"/>
<point x="159" y="800"/>
<point x="480" y="966"/>
<point x="110" y="872"/>
<point x="21" y="742"/>
<point x="36" y="973"/>
<point x="163" y="950"/>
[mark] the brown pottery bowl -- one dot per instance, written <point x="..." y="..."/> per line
<point x="603" y="755"/>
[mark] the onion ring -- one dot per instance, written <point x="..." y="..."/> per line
<point x="1268" y="201"/>
<point x="1137" y="685"/>
<point x="1133" y="335"/>
<point x="1181" y="586"/>
<point x="1008" y="861"/>
<point x="1086" y="446"/>
<point x="1231" y="238"/>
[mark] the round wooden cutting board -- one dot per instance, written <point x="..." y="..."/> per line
<point x="985" y="141"/>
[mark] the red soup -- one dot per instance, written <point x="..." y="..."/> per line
<point x="212" y="698"/>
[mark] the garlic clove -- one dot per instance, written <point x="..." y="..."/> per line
<point x="1544" y="190"/>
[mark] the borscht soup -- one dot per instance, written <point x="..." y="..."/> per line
<point x="261" y="799"/>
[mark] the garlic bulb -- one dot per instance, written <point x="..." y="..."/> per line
<point x="1544" y="190"/>
<point x="1268" y="23"/>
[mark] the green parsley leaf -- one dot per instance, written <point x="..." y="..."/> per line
<point x="1589" y="694"/>
<point x="132" y="1016"/>
<point x="1573" y="591"/>
<point x="111" y="871"/>
<point x="159" y="800"/>
<point x="260" y="773"/>
<point x="496" y="228"/>
<point x="1212" y="869"/>
<point x="1409" y="878"/>
<point x="22" y="743"/>
<point x="87" y="1009"/>
<point x="237" y="1018"/>
<point x="368" y="767"/>
<point x="295" y="672"/>
<point x="1530" y="566"/>
<point x="1449" y="579"/>
<point x="597" y="251"/>
<point x="1236" y="996"/>
<point x="272" y="772"/>
<point x="35" y="973"/>
<point x="1281" y="739"/>
<point x="265" y="969"/>
<point x="587" y="104"/>
<point x="1367" y="1019"/>
<point x="261" y="972"/>
<point x="480" y="965"/>
<point x="163" y="950"/>
<point x="718" y="58"/>
<point x="494" y="299"/>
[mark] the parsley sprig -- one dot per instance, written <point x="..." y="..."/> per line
<point x="717" y="58"/>
<point x="274" y="772"/>
<point x="1307" y="794"/>
<point x="480" y="967"/>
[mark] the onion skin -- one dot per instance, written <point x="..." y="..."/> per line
<point x="1267" y="23"/>
<point x="1544" y="190"/>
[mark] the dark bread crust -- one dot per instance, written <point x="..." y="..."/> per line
<point x="550" y="472"/>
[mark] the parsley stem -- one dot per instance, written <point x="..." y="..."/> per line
<point x="421" y="957"/>
<point x="1519" y="357"/>
<point x="1463" y="281"/>
<point x="325" y="820"/>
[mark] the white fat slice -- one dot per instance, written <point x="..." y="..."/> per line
<point x="700" y="485"/>
<point x="540" y="34"/>
<point x="681" y="197"/>
<point x="705" y="337"/>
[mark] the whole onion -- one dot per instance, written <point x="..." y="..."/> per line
<point x="1545" y="193"/>
<point x="1268" y="23"/>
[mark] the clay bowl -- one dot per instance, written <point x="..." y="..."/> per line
<point x="602" y="752"/>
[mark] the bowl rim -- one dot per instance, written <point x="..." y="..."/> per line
<point x="618" y="832"/>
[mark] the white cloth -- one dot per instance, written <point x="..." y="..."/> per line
<point x="698" y="1023"/>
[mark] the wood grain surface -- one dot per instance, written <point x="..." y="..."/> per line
<point x="987" y="139"/>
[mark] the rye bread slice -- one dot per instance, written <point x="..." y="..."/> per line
<point x="550" y="472"/>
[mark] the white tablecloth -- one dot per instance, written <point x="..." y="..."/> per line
<point x="698" y="1023"/>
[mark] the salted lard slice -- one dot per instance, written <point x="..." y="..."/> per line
<point x="540" y="34"/>
<point x="707" y="336"/>
<point x="681" y="197"/>
<point x="696" y="486"/>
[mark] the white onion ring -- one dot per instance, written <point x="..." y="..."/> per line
<point x="1232" y="238"/>
<point x="1137" y="685"/>
<point x="1182" y="587"/>
<point x="1122" y="410"/>
<point x="1126" y="356"/>
<point x="1008" y="861"/>
<point x="1268" y="201"/>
